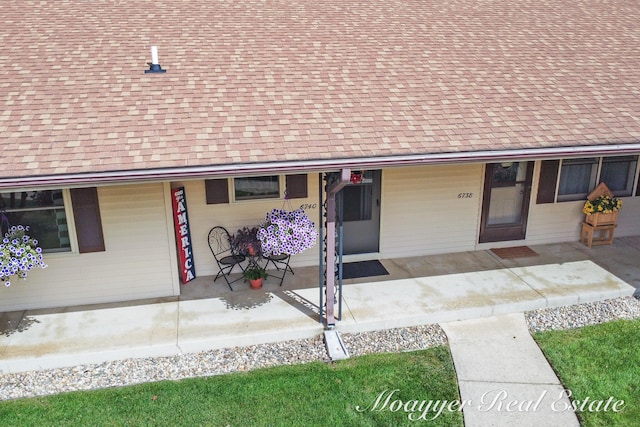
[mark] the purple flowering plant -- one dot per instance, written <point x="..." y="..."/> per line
<point x="286" y="232"/>
<point x="19" y="253"/>
<point x="245" y="241"/>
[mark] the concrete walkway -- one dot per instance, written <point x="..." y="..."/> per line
<point x="503" y="375"/>
<point x="50" y="340"/>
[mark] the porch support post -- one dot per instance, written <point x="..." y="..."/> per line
<point x="321" y="260"/>
<point x="330" y="275"/>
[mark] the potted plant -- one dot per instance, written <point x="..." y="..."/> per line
<point x="245" y="241"/>
<point x="19" y="254"/>
<point x="255" y="275"/>
<point x="286" y="232"/>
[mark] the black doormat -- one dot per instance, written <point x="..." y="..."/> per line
<point x="353" y="270"/>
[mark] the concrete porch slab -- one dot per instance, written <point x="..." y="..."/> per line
<point x="573" y="282"/>
<point x="92" y="336"/>
<point x="254" y="317"/>
<point x="214" y="323"/>
<point x="411" y="302"/>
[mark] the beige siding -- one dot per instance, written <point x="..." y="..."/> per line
<point x="135" y="265"/>
<point x="234" y="215"/>
<point x="554" y="222"/>
<point x="422" y="212"/>
<point x="561" y="222"/>
<point x="629" y="218"/>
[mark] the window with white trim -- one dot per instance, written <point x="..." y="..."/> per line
<point x="619" y="174"/>
<point x="217" y="190"/>
<point x="578" y="177"/>
<point x="44" y="212"/>
<point x="256" y="187"/>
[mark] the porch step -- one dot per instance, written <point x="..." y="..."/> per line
<point x="335" y="347"/>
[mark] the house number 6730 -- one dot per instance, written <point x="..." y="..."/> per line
<point x="465" y="195"/>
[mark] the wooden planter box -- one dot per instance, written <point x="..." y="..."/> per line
<point x="597" y="219"/>
<point x="598" y="228"/>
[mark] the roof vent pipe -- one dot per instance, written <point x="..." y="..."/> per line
<point x="154" y="65"/>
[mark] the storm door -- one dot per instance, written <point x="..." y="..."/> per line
<point x="505" y="204"/>
<point x="358" y="206"/>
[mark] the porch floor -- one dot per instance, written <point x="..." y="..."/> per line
<point x="420" y="290"/>
<point x="620" y="259"/>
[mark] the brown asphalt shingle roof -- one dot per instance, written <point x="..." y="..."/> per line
<point x="274" y="80"/>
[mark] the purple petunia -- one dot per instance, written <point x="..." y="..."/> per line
<point x="19" y="254"/>
<point x="287" y="233"/>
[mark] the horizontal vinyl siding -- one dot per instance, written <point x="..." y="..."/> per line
<point x="136" y="263"/>
<point x="232" y="216"/>
<point x="629" y="217"/>
<point x="562" y="222"/>
<point x="554" y="223"/>
<point x="422" y="213"/>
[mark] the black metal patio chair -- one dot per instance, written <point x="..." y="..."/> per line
<point x="223" y="253"/>
<point x="281" y="263"/>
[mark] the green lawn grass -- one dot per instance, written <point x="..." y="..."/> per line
<point x="314" y="394"/>
<point x="594" y="362"/>
<point x="598" y="362"/>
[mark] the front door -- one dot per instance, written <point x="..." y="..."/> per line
<point x="505" y="204"/>
<point x="358" y="205"/>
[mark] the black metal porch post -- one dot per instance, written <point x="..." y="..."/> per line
<point x="330" y="276"/>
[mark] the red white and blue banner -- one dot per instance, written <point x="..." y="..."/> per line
<point x="183" y="235"/>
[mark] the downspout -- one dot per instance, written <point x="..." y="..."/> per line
<point x="330" y="276"/>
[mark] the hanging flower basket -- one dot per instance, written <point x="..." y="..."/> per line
<point x="287" y="233"/>
<point x="19" y="254"/>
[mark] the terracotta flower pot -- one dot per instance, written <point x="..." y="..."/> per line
<point x="256" y="283"/>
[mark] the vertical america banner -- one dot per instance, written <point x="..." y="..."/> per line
<point x="183" y="235"/>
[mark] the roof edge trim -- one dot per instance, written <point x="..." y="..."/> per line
<point x="318" y="165"/>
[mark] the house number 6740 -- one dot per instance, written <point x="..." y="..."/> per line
<point x="465" y="195"/>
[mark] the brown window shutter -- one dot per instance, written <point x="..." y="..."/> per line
<point x="217" y="191"/>
<point x="297" y="186"/>
<point x="86" y="212"/>
<point x="547" y="181"/>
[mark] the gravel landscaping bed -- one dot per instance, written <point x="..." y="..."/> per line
<point x="575" y="316"/>
<point x="215" y="362"/>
